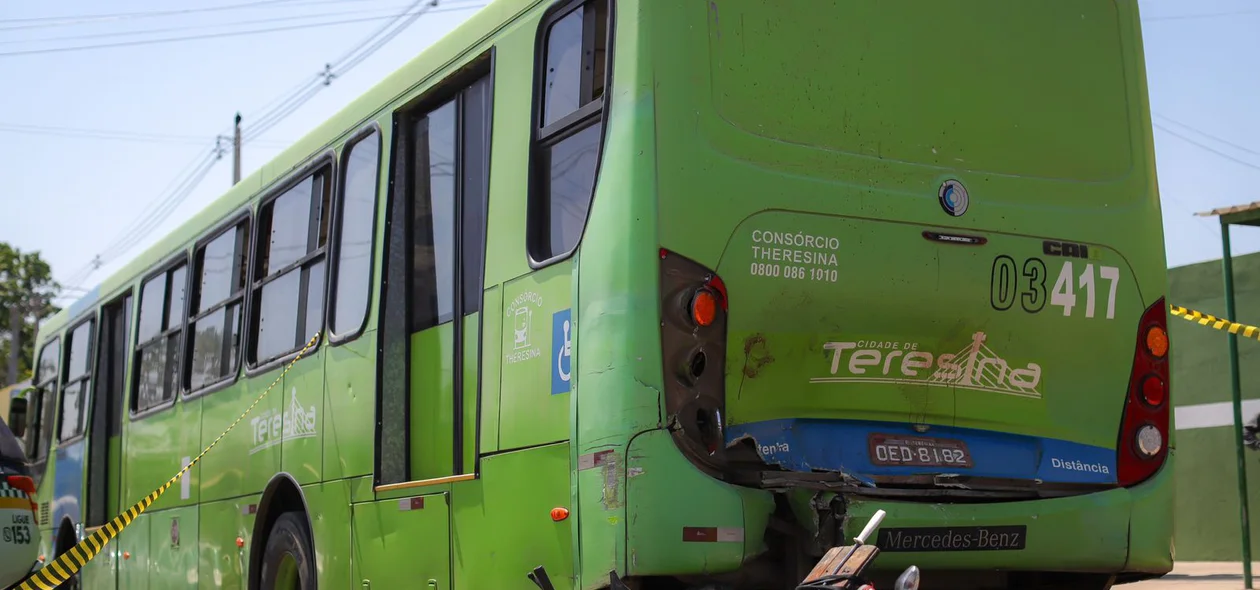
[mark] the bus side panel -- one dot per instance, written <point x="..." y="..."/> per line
<point x="502" y="523"/>
<point x="349" y="407"/>
<point x="328" y="507"/>
<point x="1151" y="523"/>
<point x="222" y="564"/>
<point x="158" y="446"/>
<point x="132" y="544"/>
<point x="244" y="461"/>
<point x="680" y="517"/>
<point x="102" y="572"/>
<point x="303" y="397"/>
<point x="173" y="556"/>
<point x="535" y="402"/>
<point x="403" y="543"/>
<point x="616" y="362"/>
<point x="68" y="485"/>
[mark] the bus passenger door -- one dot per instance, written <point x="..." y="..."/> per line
<point x="104" y="465"/>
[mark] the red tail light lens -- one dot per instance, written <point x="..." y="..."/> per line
<point x="1143" y="441"/>
<point x="1153" y="391"/>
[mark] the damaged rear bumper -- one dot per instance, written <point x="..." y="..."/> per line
<point x="1123" y="530"/>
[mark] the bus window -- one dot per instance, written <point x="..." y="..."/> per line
<point x="289" y="268"/>
<point x="356" y="217"/>
<point x="569" y="128"/>
<point x="39" y="436"/>
<point x="160" y="337"/>
<point x="215" y="324"/>
<point x="74" y="391"/>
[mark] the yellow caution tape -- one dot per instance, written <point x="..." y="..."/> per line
<point x="66" y="565"/>
<point x="1204" y="319"/>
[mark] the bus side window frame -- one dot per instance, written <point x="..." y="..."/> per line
<point x="325" y="164"/>
<point x="67" y="380"/>
<point x="164" y="270"/>
<point x="544" y="136"/>
<point x="240" y="298"/>
<point x="372" y="130"/>
<point x="39" y="434"/>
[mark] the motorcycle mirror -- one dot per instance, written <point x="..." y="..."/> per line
<point x="908" y="580"/>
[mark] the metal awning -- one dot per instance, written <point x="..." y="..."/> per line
<point x="1248" y="214"/>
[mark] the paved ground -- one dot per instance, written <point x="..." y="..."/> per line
<point x="1200" y="576"/>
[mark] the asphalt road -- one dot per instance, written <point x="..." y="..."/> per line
<point x="1200" y="576"/>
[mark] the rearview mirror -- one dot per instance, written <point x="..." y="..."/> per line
<point x="17" y="416"/>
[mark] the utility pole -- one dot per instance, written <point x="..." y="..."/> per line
<point x="236" y="152"/>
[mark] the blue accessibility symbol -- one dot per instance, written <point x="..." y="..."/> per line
<point x="561" y="351"/>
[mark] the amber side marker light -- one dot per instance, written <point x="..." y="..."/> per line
<point x="1157" y="341"/>
<point x="704" y="307"/>
<point x="559" y="514"/>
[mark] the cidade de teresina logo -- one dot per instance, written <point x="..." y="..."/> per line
<point x="976" y="367"/>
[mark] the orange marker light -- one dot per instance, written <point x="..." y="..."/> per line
<point x="126" y="555"/>
<point x="240" y="542"/>
<point x="1157" y="341"/>
<point x="704" y="307"/>
<point x="560" y="513"/>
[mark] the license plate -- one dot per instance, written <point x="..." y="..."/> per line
<point x="917" y="451"/>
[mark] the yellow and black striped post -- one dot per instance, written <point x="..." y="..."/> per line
<point x="69" y="563"/>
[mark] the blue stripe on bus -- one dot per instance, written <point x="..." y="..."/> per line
<point x="68" y="484"/>
<point x="841" y="445"/>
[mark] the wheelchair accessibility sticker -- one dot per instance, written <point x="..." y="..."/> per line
<point x="561" y="351"/>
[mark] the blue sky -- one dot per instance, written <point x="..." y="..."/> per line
<point x="1201" y="58"/>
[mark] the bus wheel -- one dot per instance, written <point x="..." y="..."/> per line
<point x="65" y="542"/>
<point x="288" y="562"/>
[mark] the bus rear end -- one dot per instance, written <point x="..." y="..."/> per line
<point x="912" y="259"/>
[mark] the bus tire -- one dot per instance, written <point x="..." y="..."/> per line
<point x="288" y="562"/>
<point x="65" y="541"/>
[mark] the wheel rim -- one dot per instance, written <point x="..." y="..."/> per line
<point x="287" y="576"/>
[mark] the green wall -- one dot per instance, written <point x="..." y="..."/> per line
<point x="1206" y="518"/>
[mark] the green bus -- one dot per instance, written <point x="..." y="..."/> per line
<point x="649" y="294"/>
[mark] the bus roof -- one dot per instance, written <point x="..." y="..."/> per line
<point x="419" y="71"/>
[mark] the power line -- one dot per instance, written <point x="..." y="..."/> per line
<point x="213" y="35"/>
<point x="278" y="110"/>
<point x="79" y="133"/>
<point x="56" y="21"/>
<point x="1206" y="147"/>
<point x="257" y="21"/>
<point x="1209" y="135"/>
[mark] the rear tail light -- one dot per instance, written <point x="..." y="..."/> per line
<point x="1143" y="443"/>
<point x="693" y="345"/>
<point x="25" y="484"/>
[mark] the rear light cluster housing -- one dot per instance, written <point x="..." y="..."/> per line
<point x="1144" y="432"/>
<point x="694" y="309"/>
